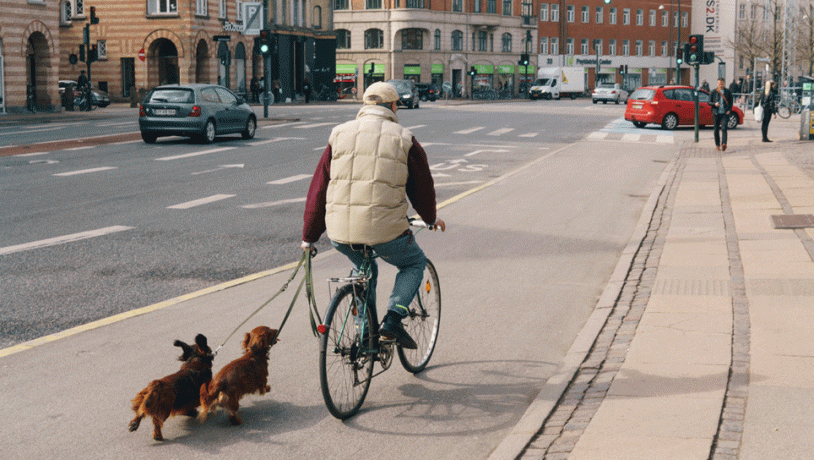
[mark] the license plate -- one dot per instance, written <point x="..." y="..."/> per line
<point x="165" y="112"/>
<point x="637" y="106"/>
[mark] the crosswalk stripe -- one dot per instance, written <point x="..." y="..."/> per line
<point x="665" y="139"/>
<point x="500" y="131"/>
<point x="597" y="135"/>
<point x="631" y="137"/>
<point x="529" y="135"/>
<point x="469" y="131"/>
<point x="202" y="201"/>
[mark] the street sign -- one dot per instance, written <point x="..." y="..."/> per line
<point x="447" y="87"/>
<point x="141" y="54"/>
<point x="252" y="18"/>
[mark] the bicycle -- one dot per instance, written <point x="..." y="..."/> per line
<point x="327" y="94"/>
<point x="350" y="344"/>
<point x="788" y="106"/>
<point x="31" y="99"/>
<point x="84" y="100"/>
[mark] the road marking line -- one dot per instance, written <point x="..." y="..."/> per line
<point x="63" y="239"/>
<point x="202" y="201"/>
<point x="194" y="154"/>
<point x="529" y="135"/>
<point x="282" y="125"/>
<point x="500" y="131"/>
<point x="416" y="126"/>
<point x="84" y="147"/>
<point x="288" y="180"/>
<point x="597" y="135"/>
<point x="452" y="184"/>
<point x="85" y="171"/>
<point x="276" y="139"/>
<point x="31" y="154"/>
<point x="319" y="148"/>
<point x="631" y="137"/>
<point x="469" y="131"/>
<point x="273" y="203"/>
<point x="314" y="125"/>
<point x="126" y="142"/>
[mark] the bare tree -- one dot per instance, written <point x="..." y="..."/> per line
<point x="760" y="33"/>
<point x="805" y="38"/>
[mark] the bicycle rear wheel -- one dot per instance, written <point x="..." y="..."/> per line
<point x="422" y="322"/>
<point x="783" y="111"/>
<point x="345" y="357"/>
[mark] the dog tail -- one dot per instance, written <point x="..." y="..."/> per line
<point x="206" y="400"/>
<point x="154" y="390"/>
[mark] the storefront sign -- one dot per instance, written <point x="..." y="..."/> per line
<point x="522" y="69"/>
<point x="345" y="69"/>
<point x="412" y="70"/>
<point x="437" y="68"/>
<point x="505" y="69"/>
<point x="484" y="69"/>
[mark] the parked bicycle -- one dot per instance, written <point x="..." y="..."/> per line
<point x="350" y="343"/>
<point x="327" y="94"/>
<point x="788" y="106"/>
<point x="31" y="98"/>
<point x="83" y="100"/>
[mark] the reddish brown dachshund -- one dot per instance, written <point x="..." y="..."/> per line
<point x="178" y="393"/>
<point x="245" y="375"/>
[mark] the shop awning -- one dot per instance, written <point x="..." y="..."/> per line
<point x="484" y="68"/>
<point x="437" y="68"/>
<point x="412" y="70"/>
<point x="345" y="69"/>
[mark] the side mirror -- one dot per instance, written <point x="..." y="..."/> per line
<point x="240" y="101"/>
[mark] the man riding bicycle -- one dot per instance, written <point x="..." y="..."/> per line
<point x="359" y="193"/>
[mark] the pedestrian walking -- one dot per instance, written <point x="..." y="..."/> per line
<point x="306" y="89"/>
<point x="255" y="87"/>
<point x="705" y="86"/>
<point x="364" y="206"/>
<point x="735" y="88"/>
<point x="721" y="102"/>
<point x="768" y="100"/>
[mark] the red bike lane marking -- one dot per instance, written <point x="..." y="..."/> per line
<point x="67" y="144"/>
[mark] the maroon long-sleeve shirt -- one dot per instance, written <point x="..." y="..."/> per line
<point x="420" y="191"/>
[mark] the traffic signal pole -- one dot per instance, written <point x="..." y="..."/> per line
<point x="696" y="67"/>
<point x="266" y="64"/>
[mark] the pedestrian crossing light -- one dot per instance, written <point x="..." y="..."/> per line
<point x="679" y="56"/>
<point x="524" y="59"/>
<point x="472" y="71"/>
<point x="265" y="42"/>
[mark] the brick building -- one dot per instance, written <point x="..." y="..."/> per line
<point x="29" y="53"/>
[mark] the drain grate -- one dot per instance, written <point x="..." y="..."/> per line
<point x="793" y="221"/>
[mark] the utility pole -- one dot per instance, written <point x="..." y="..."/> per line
<point x="266" y="62"/>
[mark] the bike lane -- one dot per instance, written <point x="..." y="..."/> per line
<point x="503" y="335"/>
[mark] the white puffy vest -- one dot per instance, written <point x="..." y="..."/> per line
<point x="366" y="201"/>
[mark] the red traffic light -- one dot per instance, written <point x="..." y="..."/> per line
<point x="693" y="39"/>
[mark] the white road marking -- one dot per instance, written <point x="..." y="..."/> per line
<point x="63" y="239"/>
<point x="451" y="184"/>
<point x="276" y="139"/>
<point x="202" y="201"/>
<point x="273" y="203"/>
<point x="469" y="131"/>
<point x="288" y="180"/>
<point x="217" y="169"/>
<point x="126" y="142"/>
<point x="481" y="151"/>
<point x="314" y="125"/>
<point x="631" y="137"/>
<point x="293" y="123"/>
<point x="31" y="154"/>
<point x="84" y="147"/>
<point x="500" y="131"/>
<point x="85" y="171"/>
<point x="320" y="148"/>
<point x="416" y="126"/>
<point x="665" y="139"/>
<point x="597" y="135"/>
<point x="529" y="135"/>
<point x="194" y="154"/>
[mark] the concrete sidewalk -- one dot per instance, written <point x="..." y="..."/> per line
<point x="707" y="352"/>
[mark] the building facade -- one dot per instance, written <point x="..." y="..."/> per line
<point x="434" y="42"/>
<point x="29" y="55"/>
<point x="144" y="44"/>
<point x="632" y="43"/>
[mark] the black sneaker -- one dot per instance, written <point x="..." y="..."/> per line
<point x="392" y="329"/>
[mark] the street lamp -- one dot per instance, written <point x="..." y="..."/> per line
<point x="678" y="38"/>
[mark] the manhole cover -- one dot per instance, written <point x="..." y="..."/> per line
<point x="793" y="221"/>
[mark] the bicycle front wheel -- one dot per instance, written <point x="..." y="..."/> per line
<point x="422" y="322"/>
<point x="783" y="111"/>
<point x="345" y="352"/>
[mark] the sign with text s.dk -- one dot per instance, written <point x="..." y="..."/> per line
<point x="252" y="18"/>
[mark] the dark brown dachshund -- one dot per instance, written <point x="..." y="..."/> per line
<point x="245" y="375"/>
<point x="176" y="394"/>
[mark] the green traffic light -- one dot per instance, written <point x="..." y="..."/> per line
<point x="264" y="48"/>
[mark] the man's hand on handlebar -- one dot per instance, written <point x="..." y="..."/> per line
<point x="439" y="223"/>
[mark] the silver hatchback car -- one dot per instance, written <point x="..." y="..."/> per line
<point x="200" y="111"/>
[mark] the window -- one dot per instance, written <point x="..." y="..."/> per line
<point x="491" y="42"/>
<point x="569" y="46"/>
<point x="586" y="15"/>
<point x="507" y="43"/>
<point x="675" y="19"/>
<point x="684" y="19"/>
<point x="65" y="12"/>
<point x="612" y="47"/>
<point x="598" y="46"/>
<point x="295" y="10"/>
<point x="571" y="12"/>
<point x="651" y="48"/>
<point x="342" y="39"/>
<point x="626" y="48"/>
<point x="374" y="39"/>
<point x="665" y="18"/>
<point x="555" y="12"/>
<point x="201" y="7"/>
<point x="741" y="11"/>
<point x="543" y="45"/>
<point x="528" y="42"/>
<point x="168" y="6"/>
<point x="491" y="6"/>
<point x="457" y="40"/>
<point x="626" y="16"/>
<point x="101" y="47"/>
<point x="664" y="48"/>
<point x="639" y="17"/>
<point x="222" y="9"/>
<point x="412" y="39"/>
<point x="652" y="18"/>
<point x="80" y="8"/>
<point x="477" y="7"/>
<point x="612" y="18"/>
<point x="555" y="45"/>
<point x="317" y="19"/>
<point x="507" y="7"/>
<point x="527" y="11"/>
<point x="474" y="40"/>
<point x="414" y="4"/>
<point x="543" y="12"/>
<point x="341" y="4"/>
<point x="437" y="39"/>
<point x="482" y="37"/>
<point x="373" y="4"/>
<point x="599" y="14"/>
<point x="457" y="5"/>
<point x="583" y="47"/>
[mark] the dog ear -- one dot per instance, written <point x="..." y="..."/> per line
<point x="200" y="340"/>
<point x="246" y="339"/>
<point x="187" y="350"/>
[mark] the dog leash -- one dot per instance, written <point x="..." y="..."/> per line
<point x="312" y="306"/>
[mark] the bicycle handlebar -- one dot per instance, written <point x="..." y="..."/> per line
<point x="415" y="222"/>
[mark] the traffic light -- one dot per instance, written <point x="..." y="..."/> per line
<point x="680" y="55"/>
<point x="524" y="59"/>
<point x="93" y="53"/>
<point x="621" y="69"/>
<point x="607" y="2"/>
<point x="82" y="53"/>
<point x="93" y="18"/>
<point x="696" y="50"/>
<point x="264" y="42"/>
<point x="472" y="71"/>
<point x="372" y="69"/>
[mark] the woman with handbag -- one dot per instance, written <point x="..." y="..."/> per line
<point x="768" y="101"/>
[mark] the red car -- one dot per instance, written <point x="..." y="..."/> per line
<point x="671" y="106"/>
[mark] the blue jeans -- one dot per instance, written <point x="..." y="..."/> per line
<point x="403" y="253"/>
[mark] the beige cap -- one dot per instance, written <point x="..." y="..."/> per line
<point x="380" y="93"/>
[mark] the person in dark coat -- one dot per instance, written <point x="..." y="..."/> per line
<point x="768" y="100"/>
<point x="721" y="102"/>
<point x="306" y="89"/>
<point x="255" y="87"/>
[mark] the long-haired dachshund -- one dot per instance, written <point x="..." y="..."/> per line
<point x="245" y="375"/>
<point x="178" y="393"/>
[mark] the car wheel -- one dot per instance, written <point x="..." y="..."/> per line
<point x="732" y="122"/>
<point x="148" y="138"/>
<point x="416" y="104"/>
<point x="208" y="133"/>
<point x="594" y="101"/>
<point x="617" y="100"/>
<point x="251" y="127"/>
<point x="639" y="124"/>
<point x="604" y="102"/>
<point x="670" y="121"/>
